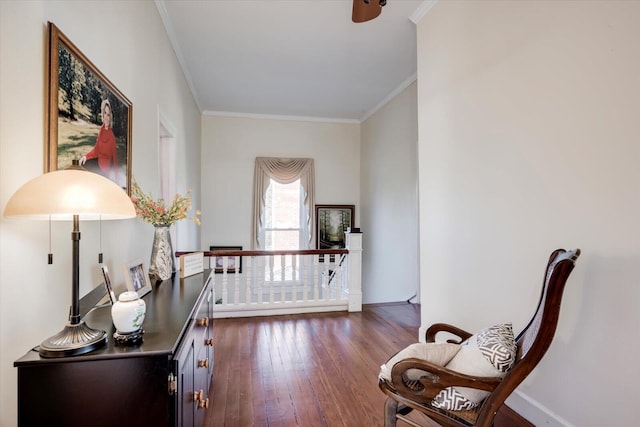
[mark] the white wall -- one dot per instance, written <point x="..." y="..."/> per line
<point x="34" y="297"/>
<point x="528" y="141"/>
<point x="229" y="148"/>
<point x="389" y="200"/>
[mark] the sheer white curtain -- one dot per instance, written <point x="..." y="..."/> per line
<point x="284" y="171"/>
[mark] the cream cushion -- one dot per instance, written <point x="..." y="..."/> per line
<point x="437" y="353"/>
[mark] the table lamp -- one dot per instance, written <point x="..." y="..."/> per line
<point x="71" y="194"/>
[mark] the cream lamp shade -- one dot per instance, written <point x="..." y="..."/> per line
<point x="61" y="194"/>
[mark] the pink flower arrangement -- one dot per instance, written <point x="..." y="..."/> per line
<point x="155" y="212"/>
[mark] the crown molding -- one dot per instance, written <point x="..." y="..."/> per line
<point x="422" y="10"/>
<point x="402" y="86"/>
<point x="279" y="117"/>
<point x="168" y="27"/>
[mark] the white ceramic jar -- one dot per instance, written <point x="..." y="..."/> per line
<point x="128" y="312"/>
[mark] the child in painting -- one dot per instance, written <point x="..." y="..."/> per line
<point x="105" y="148"/>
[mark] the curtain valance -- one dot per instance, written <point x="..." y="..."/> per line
<point x="284" y="171"/>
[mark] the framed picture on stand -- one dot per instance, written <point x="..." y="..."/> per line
<point x="136" y="277"/>
<point x="332" y="221"/>
<point x="231" y="260"/>
<point x="107" y="284"/>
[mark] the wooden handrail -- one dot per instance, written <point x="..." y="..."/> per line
<point x="267" y="253"/>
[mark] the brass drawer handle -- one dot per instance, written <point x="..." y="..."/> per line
<point x="198" y="397"/>
<point x="203" y="363"/>
<point x="203" y="322"/>
<point x="209" y="342"/>
<point x="203" y="403"/>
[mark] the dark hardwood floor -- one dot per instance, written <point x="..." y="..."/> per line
<point x="309" y="370"/>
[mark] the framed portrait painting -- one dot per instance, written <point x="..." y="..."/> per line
<point x="88" y="118"/>
<point x="332" y="221"/>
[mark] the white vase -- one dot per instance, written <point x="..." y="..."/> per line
<point x="128" y="312"/>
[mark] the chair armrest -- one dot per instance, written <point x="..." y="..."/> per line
<point x="433" y="380"/>
<point x="444" y="327"/>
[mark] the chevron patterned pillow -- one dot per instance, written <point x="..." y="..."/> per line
<point x="489" y="353"/>
<point x="498" y="346"/>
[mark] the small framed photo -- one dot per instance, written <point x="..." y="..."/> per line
<point x="136" y="277"/>
<point x="107" y="284"/>
<point x="231" y="260"/>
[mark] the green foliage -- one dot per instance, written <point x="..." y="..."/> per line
<point x="80" y="95"/>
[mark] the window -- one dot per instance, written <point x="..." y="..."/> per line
<point x="283" y="224"/>
<point x="282" y="216"/>
<point x="283" y="199"/>
<point x="282" y="229"/>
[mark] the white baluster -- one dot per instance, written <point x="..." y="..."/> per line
<point x="236" y="281"/>
<point x="341" y="279"/>
<point x="294" y="278"/>
<point x="214" y="285"/>
<point x="325" y="277"/>
<point x="259" y="275"/>
<point x="248" y="272"/>
<point x="271" y="265"/>
<point x="316" y="276"/>
<point x="305" y="276"/>
<point x="225" y="290"/>
<point x="331" y="267"/>
<point x="283" y="268"/>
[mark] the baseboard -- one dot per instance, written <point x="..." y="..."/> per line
<point x="255" y="310"/>
<point x="535" y="412"/>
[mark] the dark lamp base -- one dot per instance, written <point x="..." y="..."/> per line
<point x="72" y="341"/>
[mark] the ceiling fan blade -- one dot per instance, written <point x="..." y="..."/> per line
<point x="365" y="11"/>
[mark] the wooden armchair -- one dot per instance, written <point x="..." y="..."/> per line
<point x="406" y="395"/>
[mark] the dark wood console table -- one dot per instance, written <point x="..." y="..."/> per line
<point x="164" y="381"/>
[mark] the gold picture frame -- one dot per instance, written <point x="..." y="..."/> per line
<point x="80" y="101"/>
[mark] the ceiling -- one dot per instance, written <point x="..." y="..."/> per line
<point x="292" y="58"/>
